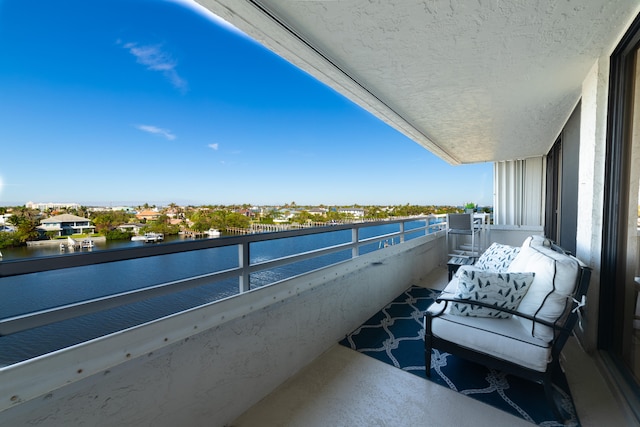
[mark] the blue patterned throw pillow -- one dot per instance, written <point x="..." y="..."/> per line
<point x="497" y="257"/>
<point x="500" y="289"/>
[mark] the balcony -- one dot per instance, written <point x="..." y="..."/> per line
<point x="233" y="361"/>
<point x="344" y="387"/>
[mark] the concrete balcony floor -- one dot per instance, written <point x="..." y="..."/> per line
<point x="345" y="388"/>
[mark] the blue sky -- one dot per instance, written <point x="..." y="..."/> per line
<point x="143" y="101"/>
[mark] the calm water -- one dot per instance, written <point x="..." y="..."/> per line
<point x="38" y="291"/>
<point x="39" y="251"/>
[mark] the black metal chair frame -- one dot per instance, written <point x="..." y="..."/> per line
<point x="563" y="327"/>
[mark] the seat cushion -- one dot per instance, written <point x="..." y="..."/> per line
<point x="504" y="339"/>
<point x="501" y="289"/>
<point x="555" y="279"/>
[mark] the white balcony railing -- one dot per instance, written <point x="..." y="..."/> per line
<point x="407" y="228"/>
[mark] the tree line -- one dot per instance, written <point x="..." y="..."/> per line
<point x="198" y="219"/>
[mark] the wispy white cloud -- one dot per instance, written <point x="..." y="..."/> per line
<point x="157" y="131"/>
<point x="156" y="59"/>
<point x="213" y="146"/>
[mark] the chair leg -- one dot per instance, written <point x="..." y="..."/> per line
<point x="548" y="391"/>
<point x="473" y="240"/>
<point x="548" y="385"/>
<point x="427" y="361"/>
<point x="427" y="346"/>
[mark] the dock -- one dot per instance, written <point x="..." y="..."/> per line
<point x="269" y="228"/>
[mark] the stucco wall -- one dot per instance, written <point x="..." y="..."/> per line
<point x="211" y="377"/>
<point x="593" y="129"/>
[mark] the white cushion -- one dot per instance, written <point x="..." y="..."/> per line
<point x="501" y="289"/>
<point x="497" y="257"/>
<point x="555" y="280"/>
<point x="537" y="240"/>
<point x="505" y="339"/>
<point x="515" y="339"/>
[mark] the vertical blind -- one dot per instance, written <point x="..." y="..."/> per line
<point x="519" y="192"/>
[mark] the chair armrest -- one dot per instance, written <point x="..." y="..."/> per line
<point x="447" y="299"/>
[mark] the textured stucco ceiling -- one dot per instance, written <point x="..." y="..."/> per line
<point x="470" y="80"/>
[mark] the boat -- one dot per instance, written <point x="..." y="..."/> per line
<point x="148" y="238"/>
<point x="72" y="244"/>
<point x="213" y="232"/>
<point x="87" y="244"/>
<point x="154" y="237"/>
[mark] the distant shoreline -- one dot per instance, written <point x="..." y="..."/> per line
<point x="56" y="242"/>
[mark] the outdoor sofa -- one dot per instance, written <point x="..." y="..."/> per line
<point x="513" y="310"/>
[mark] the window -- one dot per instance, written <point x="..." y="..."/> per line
<point x="619" y="324"/>
<point x="561" y="210"/>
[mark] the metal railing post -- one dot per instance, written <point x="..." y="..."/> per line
<point x="354" y="239"/>
<point x="243" y="263"/>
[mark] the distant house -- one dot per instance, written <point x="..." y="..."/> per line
<point x="318" y="211"/>
<point x="131" y="228"/>
<point x="246" y="212"/>
<point x="172" y="212"/>
<point x="148" y="214"/>
<point x="355" y="212"/>
<point x="127" y="209"/>
<point x="285" y="215"/>
<point x="50" y="205"/>
<point x="66" y="225"/>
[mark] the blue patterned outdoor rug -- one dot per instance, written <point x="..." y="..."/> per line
<point x="395" y="335"/>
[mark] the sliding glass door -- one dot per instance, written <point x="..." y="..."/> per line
<point x="626" y="345"/>
<point x="619" y="323"/>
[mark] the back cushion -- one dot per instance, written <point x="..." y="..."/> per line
<point x="554" y="282"/>
<point x="500" y="289"/>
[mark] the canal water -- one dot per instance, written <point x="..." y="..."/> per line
<point x="22" y="252"/>
<point x="39" y="291"/>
